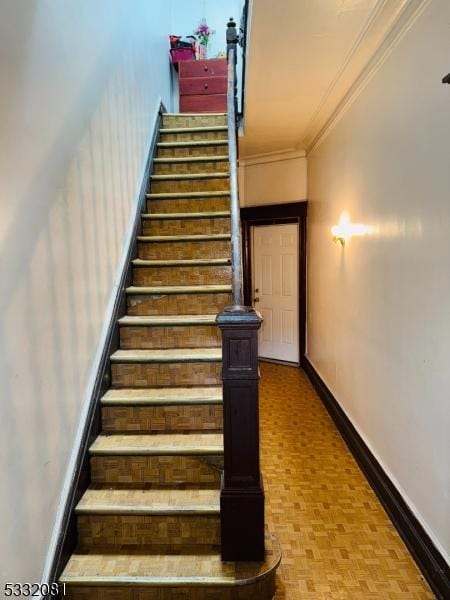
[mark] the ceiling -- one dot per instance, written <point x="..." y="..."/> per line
<point x="303" y="55"/>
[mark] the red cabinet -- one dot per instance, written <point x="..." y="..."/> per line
<point x="203" y="85"/>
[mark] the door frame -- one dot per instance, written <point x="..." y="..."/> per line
<point x="278" y="214"/>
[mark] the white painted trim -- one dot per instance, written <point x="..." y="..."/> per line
<point x="405" y="18"/>
<point x="394" y="480"/>
<point x="70" y="469"/>
<point x="269" y="157"/>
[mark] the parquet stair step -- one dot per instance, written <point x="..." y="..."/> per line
<point x="194" y="176"/>
<point x="190" y="159"/>
<point x="224" y="214"/>
<point x="169" y="331"/>
<point x="178" y="289"/>
<point x="188" y="195"/>
<point x="183" y="573"/>
<point x="169" y="320"/>
<point x="194" y="119"/>
<point x="192" y="115"/>
<point x="172" y="396"/>
<point x="190" y="182"/>
<point x="192" y="223"/>
<point x="188" y="262"/>
<point x="149" y="501"/>
<point x="169" y="444"/>
<point x="172" y="355"/>
<point x="218" y="163"/>
<point x="193" y="144"/>
<point x="194" y="129"/>
<point x="199" y="132"/>
<point x="184" y="238"/>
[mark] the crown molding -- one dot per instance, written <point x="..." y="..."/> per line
<point x="396" y="25"/>
<point x="269" y="157"/>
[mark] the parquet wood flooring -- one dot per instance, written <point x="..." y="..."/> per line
<point x="337" y="541"/>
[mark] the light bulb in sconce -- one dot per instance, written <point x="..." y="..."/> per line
<point x="345" y="229"/>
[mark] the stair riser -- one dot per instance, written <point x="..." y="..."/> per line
<point x="191" y="168"/>
<point x="185" y="336"/>
<point x="174" y="532"/>
<point x="178" y="304"/>
<point x="184" y="250"/>
<point x="260" y="590"/>
<point x="193" y="136"/>
<point x="183" y="151"/>
<point x="186" y="205"/>
<point x="162" y="419"/>
<point x="174" y="121"/>
<point x="161" y="374"/>
<point x="185" y="226"/>
<point x="162" y="470"/>
<point x="220" y="184"/>
<point x="195" y="275"/>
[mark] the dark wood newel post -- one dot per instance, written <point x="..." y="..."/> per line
<point x="242" y="495"/>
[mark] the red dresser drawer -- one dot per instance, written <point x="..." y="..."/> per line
<point x="203" y="68"/>
<point x="205" y="103"/>
<point x="203" y="85"/>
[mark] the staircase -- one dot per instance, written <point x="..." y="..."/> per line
<point x="149" y="523"/>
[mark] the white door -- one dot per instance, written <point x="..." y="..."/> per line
<point x="275" y="289"/>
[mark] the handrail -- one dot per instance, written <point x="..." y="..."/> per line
<point x="236" y="241"/>
<point x="241" y="490"/>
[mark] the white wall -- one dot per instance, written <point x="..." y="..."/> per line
<point x="80" y="86"/>
<point x="272" y="179"/>
<point x="378" y="309"/>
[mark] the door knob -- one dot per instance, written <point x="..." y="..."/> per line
<point x="255" y="299"/>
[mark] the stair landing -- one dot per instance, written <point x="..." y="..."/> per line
<point x="151" y="576"/>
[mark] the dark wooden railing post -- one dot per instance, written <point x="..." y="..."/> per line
<point x="242" y="495"/>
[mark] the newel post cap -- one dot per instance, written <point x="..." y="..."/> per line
<point x="239" y="316"/>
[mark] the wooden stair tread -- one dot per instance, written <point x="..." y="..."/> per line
<point x="193" y="159"/>
<point x="169" y="320"/>
<point x="195" y="114"/>
<point x="197" y="444"/>
<point x="169" y="355"/>
<point x="205" y="194"/>
<point x="184" y="237"/>
<point x="149" y="501"/>
<point x="174" y="570"/>
<point x="182" y="262"/>
<point x="163" y="396"/>
<point x="178" y="176"/>
<point x="193" y="129"/>
<point x="222" y="214"/>
<point x="191" y="144"/>
<point x="179" y="289"/>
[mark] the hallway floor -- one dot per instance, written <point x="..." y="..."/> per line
<point x="336" y="539"/>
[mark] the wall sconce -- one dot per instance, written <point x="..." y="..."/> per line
<point x="345" y="229"/>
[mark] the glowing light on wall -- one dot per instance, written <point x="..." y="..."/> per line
<point x="345" y="229"/>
